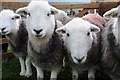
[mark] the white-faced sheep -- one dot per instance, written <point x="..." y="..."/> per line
<point x="110" y="61"/>
<point x="14" y="28"/>
<point x="82" y="41"/>
<point x="62" y="16"/>
<point x="44" y="46"/>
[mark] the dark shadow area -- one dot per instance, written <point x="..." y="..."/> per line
<point x="11" y="69"/>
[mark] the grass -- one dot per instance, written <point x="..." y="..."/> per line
<point x="9" y="48"/>
<point x="11" y="69"/>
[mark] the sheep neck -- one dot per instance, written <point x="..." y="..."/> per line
<point x="38" y="44"/>
<point x="11" y="37"/>
<point x="46" y="45"/>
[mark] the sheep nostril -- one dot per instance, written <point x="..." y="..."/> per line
<point x="3" y="29"/>
<point x="79" y="60"/>
<point x="38" y="31"/>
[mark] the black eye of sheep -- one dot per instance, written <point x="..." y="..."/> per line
<point x="13" y="18"/>
<point x="88" y="33"/>
<point x="48" y="14"/>
<point x="29" y="14"/>
<point x="68" y="34"/>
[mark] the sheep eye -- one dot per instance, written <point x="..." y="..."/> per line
<point x="48" y="14"/>
<point x="29" y="14"/>
<point x="68" y="34"/>
<point x="88" y="33"/>
<point x="13" y="18"/>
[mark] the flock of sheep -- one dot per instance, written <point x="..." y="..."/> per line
<point x="43" y="35"/>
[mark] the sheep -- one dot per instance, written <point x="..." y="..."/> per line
<point x="82" y="42"/>
<point x="45" y="47"/>
<point x="14" y="28"/>
<point x="62" y="16"/>
<point x="95" y="19"/>
<point x="110" y="61"/>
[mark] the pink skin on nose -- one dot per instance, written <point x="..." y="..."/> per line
<point x="95" y="19"/>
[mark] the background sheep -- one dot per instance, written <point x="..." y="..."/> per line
<point x="111" y="45"/>
<point x="62" y="16"/>
<point x="14" y="28"/>
<point x="95" y="19"/>
<point x="82" y="40"/>
<point x="44" y="47"/>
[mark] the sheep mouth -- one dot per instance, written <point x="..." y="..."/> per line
<point x="5" y="32"/>
<point x="40" y="36"/>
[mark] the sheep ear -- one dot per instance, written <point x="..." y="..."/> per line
<point x="59" y="24"/>
<point x="94" y="29"/>
<point x="17" y="16"/>
<point x="54" y="11"/>
<point x="61" y="30"/>
<point x="111" y="13"/>
<point x="22" y="11"/>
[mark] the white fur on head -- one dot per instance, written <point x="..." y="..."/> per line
<point x="62" y="16"/>
<point x="111" y="12"/>
<point x="9" y="21"/>
<point x="78" y="38"/>
<point x="115" y="29"/>
<point x="24" y="9"/>
<point x="40" y="19"/>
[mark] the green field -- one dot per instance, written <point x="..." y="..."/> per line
<point x="11" y="69"/>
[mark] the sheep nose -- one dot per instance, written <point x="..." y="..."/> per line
<point x="38" y="31"/>
<point x="3" y="29"/>
<point x="79" y="60"/>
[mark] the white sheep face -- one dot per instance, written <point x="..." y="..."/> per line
<point x="8" y="22"/>
<point x="78" y="38"/>
<point x="62" y="16"/>
<point x="110" y="14"/>
<point x="40" y="20"/>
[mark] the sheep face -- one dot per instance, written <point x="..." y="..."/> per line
<point x="8" y="22"/>
<point x="114" y="14"/>
<point x="62" y="16"/>
<point x="40" y="20"/>
<point x="78" y="38"/>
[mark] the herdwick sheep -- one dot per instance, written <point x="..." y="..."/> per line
<point x="45" y="47"/>
<point x="95" y="19"/>
<point x="62" y="16"/>
<point x="110" y="61"/>
<point x="14" y="28"/>
<point x="82" y="42"/>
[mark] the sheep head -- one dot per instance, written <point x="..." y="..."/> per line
<point x="112" y="13"/>
<point x="40" y="18"/>
<point x="78" y="37"/>
<point x="9" y="21"/>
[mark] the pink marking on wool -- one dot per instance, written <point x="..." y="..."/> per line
<point x="95" y="19"/>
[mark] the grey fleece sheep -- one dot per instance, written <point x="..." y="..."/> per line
<point x="14" y="28"/>
<point x="110" y="61"/>
<point x="45" y="47"/>
<point x="82" y="43"/>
